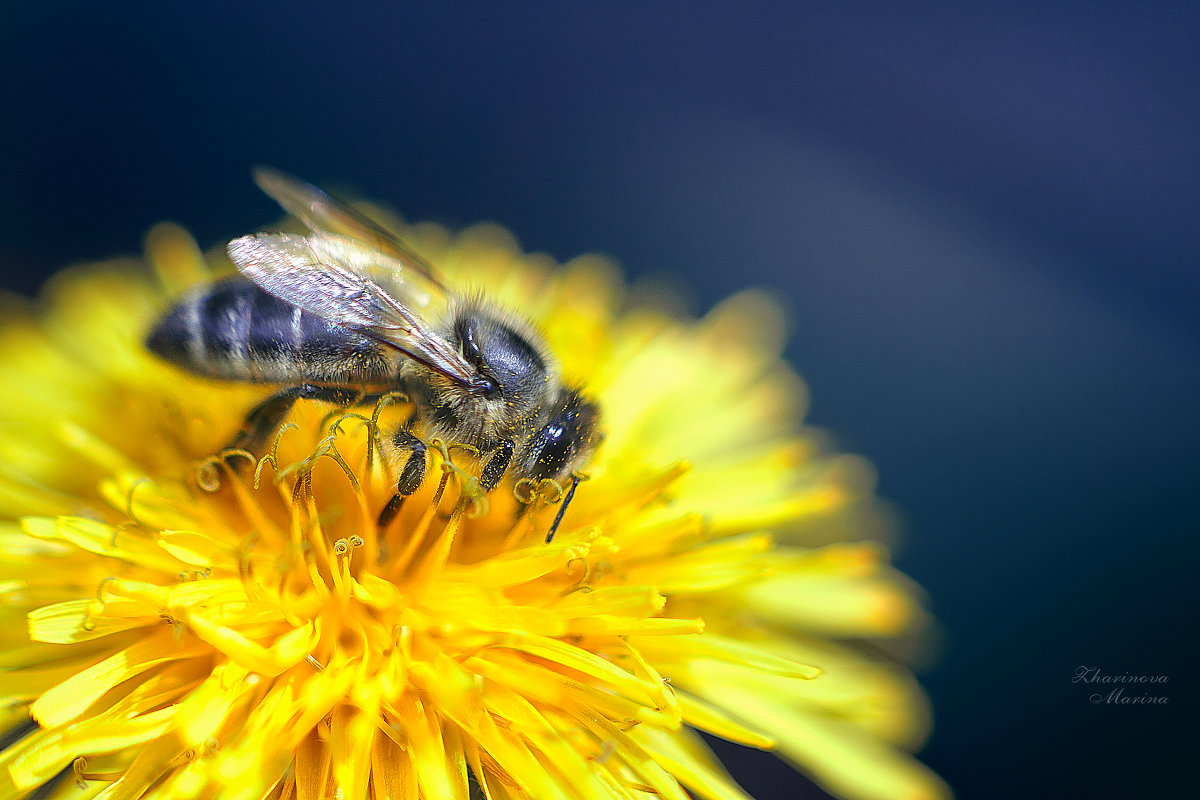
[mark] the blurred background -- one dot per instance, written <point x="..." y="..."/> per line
<point x="983" y="222"/>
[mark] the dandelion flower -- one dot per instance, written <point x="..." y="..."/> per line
<point x="178" y="622"/>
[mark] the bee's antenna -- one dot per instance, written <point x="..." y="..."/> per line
<point x="562" y="509"/>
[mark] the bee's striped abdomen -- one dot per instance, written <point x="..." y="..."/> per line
<point x="232" y="330"/>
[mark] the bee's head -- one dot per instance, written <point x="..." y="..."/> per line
<point x="565" y="443"/>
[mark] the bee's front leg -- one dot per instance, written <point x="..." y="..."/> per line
<point x="412" y="474"/>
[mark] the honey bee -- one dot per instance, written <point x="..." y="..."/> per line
<point x="349" y="312"/>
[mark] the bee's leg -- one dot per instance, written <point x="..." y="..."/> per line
<point x="496" y="466"/>
<point x="412" y="474"/>
<point x="266" y="417"/>
<point x="367" y="398"/>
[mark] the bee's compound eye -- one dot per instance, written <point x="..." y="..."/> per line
<point x="465" y="329"/>
<point x="551" y="450"/>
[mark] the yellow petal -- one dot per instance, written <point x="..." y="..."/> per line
<point x="72" y="697"/>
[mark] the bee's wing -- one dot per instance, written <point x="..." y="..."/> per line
<point x="330" y="276"/>
<point x="321" y="213"/>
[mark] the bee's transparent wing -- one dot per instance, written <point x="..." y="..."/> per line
<point x="322" y="213"/>
<point x="330" y="276"/>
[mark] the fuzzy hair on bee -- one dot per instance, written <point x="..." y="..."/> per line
<point x="508" y="352"/>
<point x="349" y="312"/>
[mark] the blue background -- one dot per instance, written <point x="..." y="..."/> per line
<point x="983" y="222"/>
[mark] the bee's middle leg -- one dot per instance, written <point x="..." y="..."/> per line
<point x="412" y="474"/>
